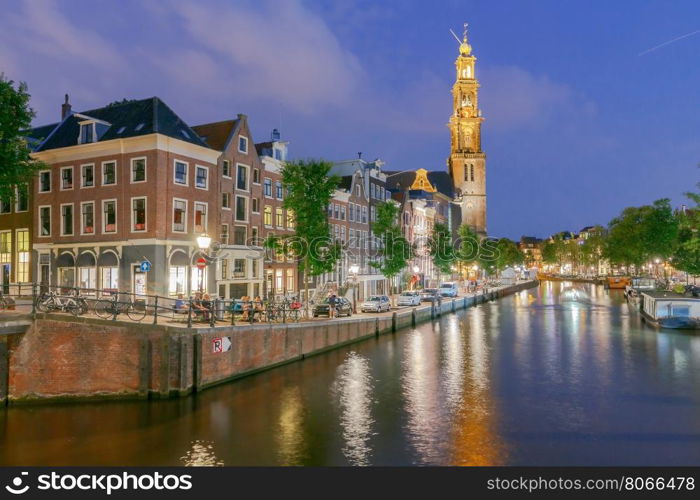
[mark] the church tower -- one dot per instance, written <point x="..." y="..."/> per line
<point x="467" y="161"/>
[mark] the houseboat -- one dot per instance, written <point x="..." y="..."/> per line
<point x="636" y="287"/>
<point x="618" y="282"/>
<point x="670" y="310"/>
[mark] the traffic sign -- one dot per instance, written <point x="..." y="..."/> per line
<point x="221" y="344"/>
<point x="145" y="266"/>
<point x="201" y="263"/>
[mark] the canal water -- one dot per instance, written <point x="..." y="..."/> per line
<point x="564" y="374"/>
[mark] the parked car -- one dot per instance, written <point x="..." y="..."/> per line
<point x="448" y="289"/>
<point x="429" y="295"/>
<point x="409" y="299"/>
<point x="343" y="307"/>
<point x="376" y="303"/>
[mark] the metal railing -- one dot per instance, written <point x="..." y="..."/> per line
<point x="111" y="303"/>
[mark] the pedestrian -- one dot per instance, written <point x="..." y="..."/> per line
<point x="332" y="300"/>
<point x="206" y="306"/>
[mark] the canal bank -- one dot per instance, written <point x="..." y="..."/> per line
<point x="60" y="358"/>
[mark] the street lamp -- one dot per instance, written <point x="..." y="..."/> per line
<point x="203" y="242"/>
<point x="354" y="270"/>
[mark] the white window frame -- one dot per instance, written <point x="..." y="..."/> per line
<point x="264" y="193"/>
<point x="82" y="177"/>
<point x="145" y="210"/>
<point x="116" y="178"/>
<point x="94" y="220"/>
<point x="104" y="217"/>
<point x="187" y="173"/>
<point x="252" y="179"/>
<point x="60" y="211"/>
<point x="206" y="215"/>
<point x="206" y="187"/>
<point x="247" y="178"/>
<point x="80" y="132"/>
<point x="235" y="208"/>
<point x="60" y="185"/>
<point x="252" y="208"/>
<point x="145" y="170"/>
<point x="17" y="210"/>
<point x="226" y="194"/>
<point x="247" y="144"/>
<point x="223" y="170"/>
<point x="172" y="225"/>
<point x="50" y="181"/>
<point x="39" y="208"/>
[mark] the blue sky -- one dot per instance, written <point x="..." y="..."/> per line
<point x="578" y="124"/>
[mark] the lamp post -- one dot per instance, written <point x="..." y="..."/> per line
<point x="203" y="242"/>
<point x="354" y="270"/>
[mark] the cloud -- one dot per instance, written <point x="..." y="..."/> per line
<point x="282" y="52"/>
<point x="513" y="98"/>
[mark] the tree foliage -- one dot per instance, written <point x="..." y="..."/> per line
<point x="17" y="168"/>
<point x="687" y="253"/>
<point x="395" y="249"/>
<point x="441" y="248"/>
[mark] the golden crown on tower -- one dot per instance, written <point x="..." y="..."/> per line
<point x="464" y="48"/>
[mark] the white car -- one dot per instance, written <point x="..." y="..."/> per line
<point x="409" y="299"/>
<point x="376" y="303"/>
<point x="448" y="289"/>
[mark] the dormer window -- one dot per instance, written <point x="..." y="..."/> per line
<point x="87" y="132"/>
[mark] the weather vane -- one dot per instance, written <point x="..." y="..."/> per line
<point x="465" y="31"/>
<point x="464" y="40"/>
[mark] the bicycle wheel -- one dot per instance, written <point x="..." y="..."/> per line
<point x="44" y="305"/>
<point x="104" y="309"/>
<point x="134" y="313"/>
<point x="73" y="308"/>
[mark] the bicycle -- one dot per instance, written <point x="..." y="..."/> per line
<point x="108" y="309"/>
<point x="51" y="301"/>
<point x="4" y="304"/>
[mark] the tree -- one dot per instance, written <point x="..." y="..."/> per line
<point x="17" y="167"/>
<point x="310" y="188"/>
<point x="549" y="252"/>
<point x="686" y="256"/>
<point x="508" y="254"/>
<point x="395" y="249"/>
<point x="441" y="248"/>
<point x="593" y="246"/>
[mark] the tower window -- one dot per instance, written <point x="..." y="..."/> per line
<point x="471" y="168"/>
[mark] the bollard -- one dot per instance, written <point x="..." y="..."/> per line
<point x="34" y="298"/>
<point x="189" y="314"/>
<point x="155" y="312"/>
<point x="233" y="312"/>
<point x="212" y="320"/>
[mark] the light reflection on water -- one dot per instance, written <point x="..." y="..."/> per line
<point x="539" y="378"/>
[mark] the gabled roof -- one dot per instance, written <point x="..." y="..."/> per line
<point x="217" y="134"/>
<point x="400" y="181"/>
<point x="125" y="119"/>
<point x="345" y="182"/>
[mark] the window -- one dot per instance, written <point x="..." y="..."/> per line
<point x="278" y="279"/>
<point x="471" y="169"/>
<point x="342" y="234"/>
<point x="357" y="190"/>
<point x="67" y="219"/>
<point x="202" y="177"/>
<point x="351" y="238"/>
<point x="372" y="213"/>
<point x="336" y="212"/>
<point x="255" y="205"/>
<point x="5" y="206"/>
<point x="226" y="201"/>
<point x="138" y="170"/>
<point x="109" y="173"/>
<point x="227" y="169"/>
<point x="342" y="212"/>
<point x="290" y="279"/>
<point x="67" y="178"/>
<point x="200" y="217"/>
<point x="278" y="189"/>
<point x="45" y="181"/>
<point x="242" y="144"/>
<point x="241" y="208"/>
<point x="109" y="221"/>
<point x="22" y="198"/>
<point x="290" y="219"/>
<point x="279" y="217"/>
<point x="177" y="280"/>
<point x="364" y="215"/>
<point x="110" y="278"/>
<point x="179" y="216"/>
<point x="87" y="278"/>
<point x="268" y="187"/>
<point x="256" y="176"/>
<point x="88" y="176"/>
<point x="278" y="154"/>
<point x="351" y="212"/>
<point x="224" y="269"/>
<point x="242" y="177"/>
<point x="267" y="217"/>
<point x="330" y="210"/>
<point x="22" y="255"/>
<point x="138" y="215"/>
<point x="224" y="234"/>
<point x="87" y="214"/>
<point x="87" y="133"/>
<point x="239" y="268"/>
<point x="239" y="235"/>
<point x="254" y="236"/>
<point x="44" y="221"/>
<point x="181" y="172"/>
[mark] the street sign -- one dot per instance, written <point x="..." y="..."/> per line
<point x="145" y="266"/>
<point x="221" y="344"/>
<point x="201" y="263"/>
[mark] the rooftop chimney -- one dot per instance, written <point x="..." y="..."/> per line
<point x="65" y="109"/>
<point x="275" y="135"/>
<point x="359" y="155"/>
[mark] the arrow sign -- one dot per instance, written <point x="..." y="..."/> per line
<point x="221" y="344"/>
<point x="145" y="266"/>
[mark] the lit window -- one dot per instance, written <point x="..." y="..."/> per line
<point x="179" y="216"/>
<point x="200" y="217"/>
<point x="279" y="218"/>
<point x="138" y="207"/>
<point x="138" y="170"/>
<point x="267" y="218"/>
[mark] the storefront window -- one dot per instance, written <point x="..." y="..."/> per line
<point x="178" y="280"/>
<point x="110" y="278"/>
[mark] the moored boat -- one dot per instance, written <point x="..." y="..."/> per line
<point x="618" y="282"/>
<point x="670" y="310"/>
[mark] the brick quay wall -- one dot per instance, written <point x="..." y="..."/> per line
<point x="62" y="358"/>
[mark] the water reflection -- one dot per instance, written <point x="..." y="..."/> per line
<point x="291" y="446"/>
<point x="201" y="454"/>
<point x="353" y="390"/>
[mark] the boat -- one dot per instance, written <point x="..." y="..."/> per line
<point x="618" y="282"/>
<point x="636" y="287"/>
<point x="670" y="310"/>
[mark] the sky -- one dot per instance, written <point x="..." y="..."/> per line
<point x="581" y="118"/>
